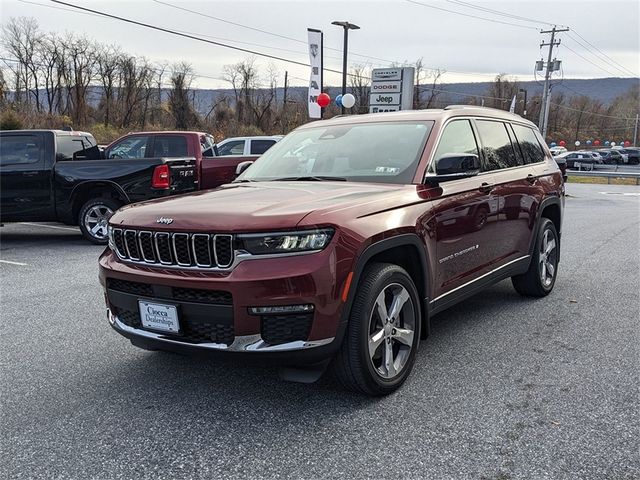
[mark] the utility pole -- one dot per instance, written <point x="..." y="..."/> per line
<point x="284" y="102"/>
<point x="635" y="133"/>
<point x="546" y="92"/>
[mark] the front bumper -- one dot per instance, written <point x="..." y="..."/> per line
<point x="225" y="325"/>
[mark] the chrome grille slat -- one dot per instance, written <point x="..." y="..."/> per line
<point x="198" y="251"/>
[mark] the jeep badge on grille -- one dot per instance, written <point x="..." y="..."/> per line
<point x="164" y="220"/>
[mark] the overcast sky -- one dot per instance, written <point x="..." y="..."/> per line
<point x="469" y="49"/>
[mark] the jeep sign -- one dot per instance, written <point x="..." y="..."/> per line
<point x="391" y="89"/>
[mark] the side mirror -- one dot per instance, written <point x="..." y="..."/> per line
<point x="242" y="166"/>
<point x="453" y="166"/>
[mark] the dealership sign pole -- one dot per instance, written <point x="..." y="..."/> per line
<point x="391" y="89"/>
<point x="315" y="79"/>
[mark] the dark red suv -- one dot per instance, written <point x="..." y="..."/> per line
<point x="340" y="243"/>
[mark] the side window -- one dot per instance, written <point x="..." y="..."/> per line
<point x="131" y="147"/>
<point x="529" y="144"/>
<point x="170" y="146"/>
<point x="67" y="146"/>
<point x="496" y="145"/>
<point x="19" y="149"/>
<point x="235" y="147"/>
<point x="258" y="147"/>
<point x="457" y="137"/>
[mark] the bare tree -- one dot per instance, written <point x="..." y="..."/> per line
<point x="179" y="101"/>
<point x="359" y="86"/>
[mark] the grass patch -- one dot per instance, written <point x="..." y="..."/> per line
<point x="602" y="180"/>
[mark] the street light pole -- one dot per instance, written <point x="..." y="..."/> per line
<point x="346" y="26"/>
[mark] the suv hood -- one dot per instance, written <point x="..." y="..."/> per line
<point x="259" y="206"/>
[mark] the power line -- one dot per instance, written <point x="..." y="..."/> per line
<point x="590" y="113"/>
<point x="605" y="55"/>
<point x="470" y="16"/>
<point x="498" y="12"/>
<point x="587" y="60"/>
<point x="189" y="36"/>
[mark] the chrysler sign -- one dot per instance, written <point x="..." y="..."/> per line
<point x="391" y="89"/>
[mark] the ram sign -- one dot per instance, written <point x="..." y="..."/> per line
<point x="391" y="89"/>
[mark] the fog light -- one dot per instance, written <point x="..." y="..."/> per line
<point x="281" y="309"/>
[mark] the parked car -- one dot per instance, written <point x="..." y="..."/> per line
<point x="555" y="151"/>
<point x="340" y="242"/>
<point x="613" y="157"/>
<point x="582" y="160"/>
<point x="247" y="145"/>
<point x="212" y="169"/>
<point x="633" y="155"/>
<point x="53" y="175"/>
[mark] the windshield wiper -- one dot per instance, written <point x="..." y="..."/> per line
<point x="242" y="180"/>
<point x="315" y="178"/>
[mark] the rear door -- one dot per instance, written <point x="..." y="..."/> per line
<point x="465" y="218"/>
<point x="512" y="167"/>
<point x="25" y="176"/>
<point x="169" y="146"/>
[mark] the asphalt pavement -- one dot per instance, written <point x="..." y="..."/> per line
<point x="505" y="387"/>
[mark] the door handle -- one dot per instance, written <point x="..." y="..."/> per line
<point x="531" y="179"/>
<point x="29" y="174"/>
<point x="485" y="187"/>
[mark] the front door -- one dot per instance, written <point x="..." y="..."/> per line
<point x="464" y="218"/>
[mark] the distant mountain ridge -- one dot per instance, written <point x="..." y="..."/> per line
<point x="603" y="89"/>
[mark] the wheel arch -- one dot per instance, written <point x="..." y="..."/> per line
<point x="94" y="189"/>
<point x="406" y="251"/>
<point x="550" y="208"/>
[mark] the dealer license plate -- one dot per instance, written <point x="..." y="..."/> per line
<point x="156" y="316"/>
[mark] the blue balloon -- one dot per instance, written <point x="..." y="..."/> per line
<point x="588" y="142"/>
<point x="339" y="100"/>
<point x="607" y="143"/>
<point x="553" y="144"/>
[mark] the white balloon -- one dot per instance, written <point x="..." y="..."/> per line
<point x="613" y="144"/>
<point x="577" y="144"/>
<point x="348" y="100"/>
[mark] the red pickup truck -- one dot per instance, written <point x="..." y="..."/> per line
<point x="212" y="170"/>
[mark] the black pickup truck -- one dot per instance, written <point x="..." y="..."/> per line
<point x="53" y="175"/>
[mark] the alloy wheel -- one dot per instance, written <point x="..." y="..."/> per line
<point x="392" y="325"/>
<point x="96" y="221"/>
<point x="548" y="257"/>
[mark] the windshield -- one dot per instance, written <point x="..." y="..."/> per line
<point x="368" y="152"/>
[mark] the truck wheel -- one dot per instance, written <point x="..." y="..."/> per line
<point x="379" y="347"/>
<point x="538" y="281"/>
<point x="93" y="219"/>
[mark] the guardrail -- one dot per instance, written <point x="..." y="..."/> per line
<point x="607" y="175"/>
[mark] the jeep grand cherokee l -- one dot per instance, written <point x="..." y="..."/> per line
<point x="340" y="243"/>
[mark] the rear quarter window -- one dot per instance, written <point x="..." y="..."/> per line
<point x="496" y="145"/>
<point x="529" y="144"/>
<point x="258" y="147"/>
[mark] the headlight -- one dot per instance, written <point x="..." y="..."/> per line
<point x="112" y="245"/>
<point x="288" y="242"/>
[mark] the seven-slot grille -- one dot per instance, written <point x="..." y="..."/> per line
<point x="200" y="250"/>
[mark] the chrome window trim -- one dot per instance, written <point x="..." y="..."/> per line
<point x="215" y="250"/>
<point x="175" y="251"/>
<point x="144" y="258"/>
<point x="193" y="248"/>
<point x="126" y="245"/>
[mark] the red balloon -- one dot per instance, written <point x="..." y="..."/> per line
<point x="562" y="143"/>
<point x="627" y="143"/>
<point x="596" y="142"/>
<point x="323" y="100"/>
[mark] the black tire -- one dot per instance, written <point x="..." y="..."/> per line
<point x="103" y="204"/>
<point x="531" y="283"/>
<point x="353" y="365"/>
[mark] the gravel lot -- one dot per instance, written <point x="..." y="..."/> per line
<point x="505" y="387"/>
